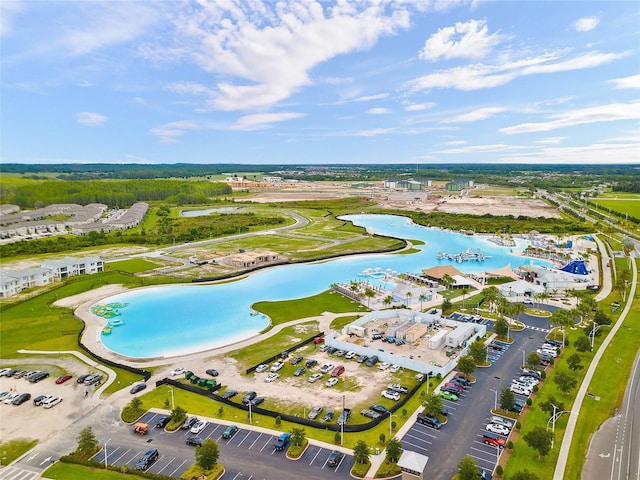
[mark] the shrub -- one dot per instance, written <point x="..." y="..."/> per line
<point x="510" y="445"/>
<point x="294" y="451"/>
<point x="278" y="421"/>
<point x="535" y="389"/>
<point x="499" y="470"/>
<point x="529" y="401"/>
<point x="543" y="375"/>
<point x="359" y="470"/>
<point x="388" y="469"/>
<point x="518" y="425"/>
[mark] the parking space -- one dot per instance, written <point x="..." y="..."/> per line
<point x="247" y="454"/>
<point x="468" y="318"/>
<point x="486" y="456"/>
<point x="495" y="349"/>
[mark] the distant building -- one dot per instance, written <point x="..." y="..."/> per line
<point x="70" y="266"/>
<point x="252" y="259"/>
<point x="13" y="282"/>
<point x="458" y="184"/>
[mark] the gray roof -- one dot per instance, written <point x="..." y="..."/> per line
<point x="413" y="461"/>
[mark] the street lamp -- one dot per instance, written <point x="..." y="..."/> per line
<point x="553" y="419"/>
<point x="495" y="398"/>
<point x="250" y="418"/>
<point x="106" y="464"/>
<point x="428" y="378"/>
<point x="342" y="423"/>
<point x="173" y="404"/>
<point x="523" y="362"/>
<point x="390" y="416"/>
<point x="593" y="333"/>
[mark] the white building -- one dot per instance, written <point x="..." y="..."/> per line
<point x="13" y="282"/>
<point x="70" y="266"/>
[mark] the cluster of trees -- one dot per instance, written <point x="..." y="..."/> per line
<point x="116" y="193"/>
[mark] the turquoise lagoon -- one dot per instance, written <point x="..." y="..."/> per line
<point x="180" y="319"/>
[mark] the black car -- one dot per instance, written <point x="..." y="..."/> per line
<point x="248" y="397"/>
<point x="257" y="401"/>
<point x="299" y="371"/>
<point x="163" y="422"/>
<point x="334" y="458"/>
<point x="371" y="361"/>
<point x="189" y="422"/>
<point x="40" y="376"/>
<point x="229" y="393"/>
<point x="212" y="372"/>
<point x="284" y="355"/>
<point x="328" y="417"/>
<point x="39" y="399"/>
<point x="429" y="421"/>
<point x="147" y="459"/>
<point x="362" y="358"/>
<point x="296" y="360"/>
<point x="82" y="378"/>
<point x="20" y="399"/>
<point x="378" y="408"/>
<point x="463" y="382"/>
<point x="332" y="350"/>
<point x="138" y="387"/>
<point x="195" y="441"/>
<point x="311" y="363"/>
<point x="457" y="381"/>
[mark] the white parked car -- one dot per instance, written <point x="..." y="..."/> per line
<point x="350" y="355"/>
<point x="199" y="426"/>
<point x="394" y="368"/>
<point x="531" y="380"/>
<point x="178" y="371"/>
<point x="263" y="367"/>
<point x="271" y="377"/>
<point x="384" y="365"/>
<point x="502" y="421"/>
<point x="315" y="377"/>
<point x="326" y="368"/>
<point x="277" y="366"/>
<point x="11" y="397"/>
<point x="331" y="382"/>
<point x="519" y="389"/>
<point x="395" y="396"/>
<point x="53" y="401"/>
<point x="499" y="429"/>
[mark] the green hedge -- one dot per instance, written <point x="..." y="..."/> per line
<point x="360" y="469"/>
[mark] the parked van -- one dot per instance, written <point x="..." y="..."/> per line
<point x="51" y="402"/>
<point x="93" y="379"/>
<point x="324" y="347"/>
<point x="147" y="459"/>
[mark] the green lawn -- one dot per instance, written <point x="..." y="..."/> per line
<point x="624" y="205"/>
<point x="287" y="310"/>
<point x="69" y="471"/>
<point x="134" y="265"/>
<point x="11" y="450"/>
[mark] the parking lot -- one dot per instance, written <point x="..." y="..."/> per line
<point x="248" y="454"/>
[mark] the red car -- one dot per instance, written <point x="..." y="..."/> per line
<point x="63" y="379"/>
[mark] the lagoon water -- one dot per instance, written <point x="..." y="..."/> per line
<point x="178" y="319"/>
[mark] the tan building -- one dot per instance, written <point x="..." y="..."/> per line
<point x="252" y="259"/>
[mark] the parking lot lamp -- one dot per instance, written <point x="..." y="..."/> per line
<point x="594" y="329"/>
<point x="553" y="419"/>
<point x="495" y="398"/>
<point x="390" y="417"/>
<point x="523" y="362"/>
<point x="106" y="464"/>
<point x="342" y="424"/>
<point x="173" y="404"/>
<point x="250" y="418"/>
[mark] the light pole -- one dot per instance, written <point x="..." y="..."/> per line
<point x="390" y="431"/>
<point x="495" y="398"/>
<point x="523" y="362"/>
<point x="342" y="424"/>
<point x="173" y="403"/>
<point x="553" y="419"/>
<point x="106" y="464"/>
<point x="593" y="333"/>
<point x="250" y="418"/>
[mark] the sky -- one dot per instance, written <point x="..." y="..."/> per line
<point x="308" y="82"/>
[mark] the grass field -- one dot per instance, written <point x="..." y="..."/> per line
<point x="627" y="205"/>
<point x="11" y="450"/>
<point x="69" y="471"/>
<point x="621" y="353"/>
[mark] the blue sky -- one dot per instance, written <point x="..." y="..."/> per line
<point x="225" y="81"/>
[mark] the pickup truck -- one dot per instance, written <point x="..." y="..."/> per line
<point x="141" y="428"/>
<point x="282" y="441"/>
<point x="344" y="416"/>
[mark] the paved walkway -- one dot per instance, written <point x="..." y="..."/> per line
<point x="571" y="425"/>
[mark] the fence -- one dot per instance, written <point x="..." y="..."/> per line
<point x="289" y="350"/>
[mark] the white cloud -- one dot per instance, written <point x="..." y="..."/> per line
<point x="602" y="113"/>
<point x="262" y="120"/>
<point x="8" y="10"/>
<point x="90" y="119"/>
<point x="85" y="84"/>
<point x="368" y="98"/>
<point x="552" y="140"/>
<point x="378" y="111"/>
<point x="597" y="153"/>
<point x="267" y="50"/>
<point x="479" y="76"/>
<point x="416" y="107"/>
<point x="171" y="132"/>
<point x="375" y="132"/>
<point x="456" y="142"/>
<point x="586" y="24"/>
<point x="476" y="115"/>
<point x="470" y="39"/>
<point x="627" y="82"/>
<point x="498" y="147"/>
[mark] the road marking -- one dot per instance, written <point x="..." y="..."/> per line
<point x="254" y="442"/>
<point x="32" y="456"/>
<point x="314" y="458"/>
<point x="45" y="460"/>
<point x="265" y="445"/>
<point x="246" y="436"/>
<point x="12" y="473"/>
<point x="181" y="463"/>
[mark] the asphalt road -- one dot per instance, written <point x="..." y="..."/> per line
<point x="462" y="434"/>
<point x="614" y="452"/>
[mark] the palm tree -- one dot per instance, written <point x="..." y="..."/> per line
<point x="388" y="300"/>
<point x="490" y="295"/>
<point x="422" y="298"/>
<point x="447" y="281"/>
<point x="369" y="293"/>
<point x="297" y="436"/>
<point x="409" y="295"/>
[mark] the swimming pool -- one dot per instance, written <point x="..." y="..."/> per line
<point x="172" y="320"/>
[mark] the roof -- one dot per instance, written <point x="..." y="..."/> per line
<point x="440" y="271"/>
<point x="504" y="272"/>
<point x="521" y="287"/>
<point x="413" y="461"/>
